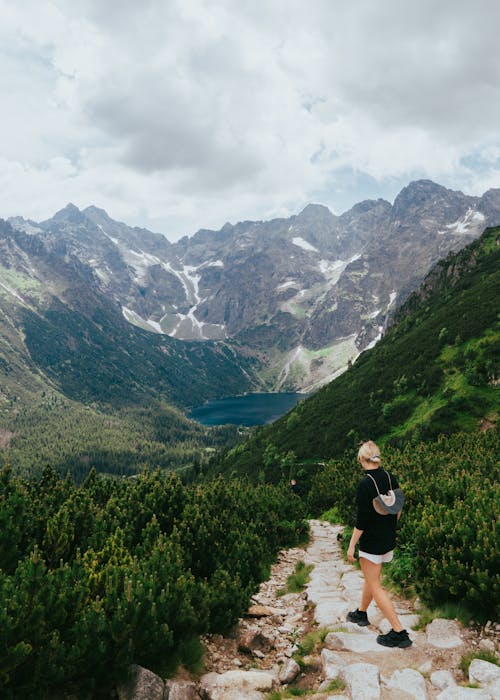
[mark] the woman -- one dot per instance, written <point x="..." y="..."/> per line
<point x="376" y="535"/>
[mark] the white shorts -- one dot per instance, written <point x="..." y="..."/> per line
<point x="378" y="558"/>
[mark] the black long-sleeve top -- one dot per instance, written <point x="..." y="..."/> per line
<point x="379" y="531"/>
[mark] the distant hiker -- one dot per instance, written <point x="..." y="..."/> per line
<point x="294" y="487"/>
<point x="376" y="535"/>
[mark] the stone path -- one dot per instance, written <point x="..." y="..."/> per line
<point x="257" y="659"/>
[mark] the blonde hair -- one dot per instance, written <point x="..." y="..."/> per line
<point x="369" y="451"/>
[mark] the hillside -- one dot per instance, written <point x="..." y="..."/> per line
<point x="435" y="371"/>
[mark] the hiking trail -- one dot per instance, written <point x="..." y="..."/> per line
<point x="348" y="664"/>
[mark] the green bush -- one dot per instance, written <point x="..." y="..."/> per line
<point x="116" y="571"/>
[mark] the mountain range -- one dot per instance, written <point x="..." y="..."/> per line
<point x="98" y="306"/>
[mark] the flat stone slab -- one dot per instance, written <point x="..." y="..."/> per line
<point x="410" y="682"/>
<point x="331" y="612"/>
<point x="352" y="641"/>
<point x="443" y="634"/>
<point x="460" y="693"/>
<point x="362" y="681"/>
<point x="263" y="611"/>
<point x="215" y="685"/>
<point x="353" y="579"/>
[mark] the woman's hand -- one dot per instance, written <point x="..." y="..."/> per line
<point x="350" y="554"/>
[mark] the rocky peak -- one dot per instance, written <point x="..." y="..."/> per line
<point x="315" y="213"/>
<point x="96" y="213"/>
<point x="421" y="194"/>
<point x="70" y="213"/>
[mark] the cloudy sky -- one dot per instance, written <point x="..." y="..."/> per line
<point x="181" y="114"/>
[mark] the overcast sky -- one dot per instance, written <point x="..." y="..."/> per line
<point x="182" y="114"/>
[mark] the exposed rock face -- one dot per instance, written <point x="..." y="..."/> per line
<point x="304" y="294"/>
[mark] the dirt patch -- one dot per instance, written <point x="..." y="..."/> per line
<point x="5" y="438"/>
<point x="486" y="425"/>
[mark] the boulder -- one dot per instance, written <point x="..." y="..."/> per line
<point x="442" y="679"/>
<point x="483" y="672"/>
<point x="487" y="674"/>
<point x="362" y="681"/>
<point x="410" y="682"/>
<point x="142" y="684"/>
<point x="289" y="672"/>
<point x="252" y="639"/>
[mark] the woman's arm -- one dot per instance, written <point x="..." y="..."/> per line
<point x="356" y="534"/>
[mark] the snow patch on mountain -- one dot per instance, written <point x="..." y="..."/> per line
<point x="111" y="238"/>
<point x="301" y="243"/>
<point x="376" y="339"/>
<point x="212" y="263"/>
<point x="286" y="285"/>
<point x="467" y="225"/>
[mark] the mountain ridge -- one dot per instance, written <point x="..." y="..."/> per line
<point x="304" y="295"/>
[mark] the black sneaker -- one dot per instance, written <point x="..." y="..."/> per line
<point x="359" y="617"/>
<point x="395" y="639"/>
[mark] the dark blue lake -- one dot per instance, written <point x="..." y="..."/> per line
<point x="251" y="409"/>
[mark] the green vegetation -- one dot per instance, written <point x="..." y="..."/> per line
<point x="74" y="438"/>
<point x="296" y="582"/>
<point x="335" y="686"/>
<point x="312" y="642"/>
<point x="120" y="570"/>
<point x="435" y="372"/>
<point x="448" y="532"/>
<point x="450" y="610"/>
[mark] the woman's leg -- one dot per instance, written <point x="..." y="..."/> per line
<point x="366" y="596"/>
<point x="373" y="587"/>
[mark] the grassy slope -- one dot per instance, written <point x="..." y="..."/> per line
<point x="434" y="371"/>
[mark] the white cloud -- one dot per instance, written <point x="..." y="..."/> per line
<point x="177" y="114"/>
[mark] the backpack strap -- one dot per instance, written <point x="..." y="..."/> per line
<point x="388" y="476"/>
